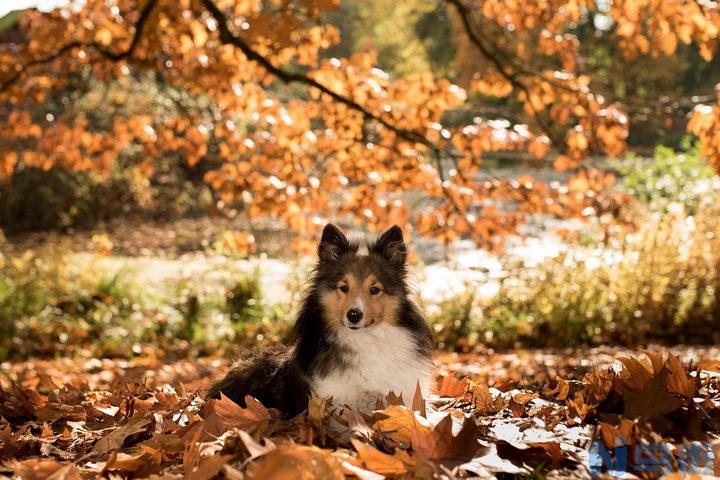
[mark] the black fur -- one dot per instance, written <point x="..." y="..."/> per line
<point x="280" y="376"/>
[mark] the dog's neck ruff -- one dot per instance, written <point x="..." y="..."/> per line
<point x="377" y="360"/>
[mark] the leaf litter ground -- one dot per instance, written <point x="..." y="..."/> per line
<point x="522" y="413"/>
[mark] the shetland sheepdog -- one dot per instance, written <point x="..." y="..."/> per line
<point x="358" y="335"/>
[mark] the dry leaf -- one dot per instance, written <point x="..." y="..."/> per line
<point x="117" y="437"/>
<point x="377" y="461"/>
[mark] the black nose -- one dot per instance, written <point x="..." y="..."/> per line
<point x="354" y="315"/>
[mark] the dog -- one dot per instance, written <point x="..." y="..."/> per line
<point x="358" y="335"/>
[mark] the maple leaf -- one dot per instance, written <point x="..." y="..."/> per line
<point x="636" y="374"/>
<point x="399" y="424"/>
<point x="652" y="399"/>
<point x="289" y="462"/>
<point x="223" y="414"/>
<point x="377" y="461"/>
<point x="440" y="443"/>
<point x="145" y="461"/>
<point x="678" y="381"/>
<point x="453" y="388"/>
<point x="561" y="390"/>
<point x="483" y="401"/>
<point x="201" y="467"/>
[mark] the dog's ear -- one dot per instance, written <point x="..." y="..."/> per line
<point x="332" y="244"/>
<point x="391" y="247"/>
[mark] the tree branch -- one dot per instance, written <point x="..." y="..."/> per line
<point x="114" y="56"/>
<point x="464" y="14"/>
<point x="228" y="37"/>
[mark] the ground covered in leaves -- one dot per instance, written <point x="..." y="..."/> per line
<point x="525" y="413"/>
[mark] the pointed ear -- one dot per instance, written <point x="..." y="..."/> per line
<point x="391" y="246"/>
<point x="332" y="244"/>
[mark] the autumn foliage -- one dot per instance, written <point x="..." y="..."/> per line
<point x="288" y="132"/>
<point x="514" y="414"/>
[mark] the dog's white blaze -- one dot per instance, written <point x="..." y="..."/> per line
<point x="359" y="304"/>
<point x="384" y="359"/>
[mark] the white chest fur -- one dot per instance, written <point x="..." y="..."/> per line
<point x="381" y="359"/>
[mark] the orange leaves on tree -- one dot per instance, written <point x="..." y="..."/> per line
<point x="345" y="139"/>
<point x="705" y="124"/>
<point x="236" y="243"/>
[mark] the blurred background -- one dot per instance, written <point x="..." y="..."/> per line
<point x="553" y="164"/>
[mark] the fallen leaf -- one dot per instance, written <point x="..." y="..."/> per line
<point x="292" y="462"/>
<point x="53" y="412"/>
<point x="636" y="375"/>
<point x="377" y="461"/>
<point x="709" y="365"/>
<point x="45" y="470"/>
<point x="561" y="390"/>
<point x="400" y="423"/>
<point x="489" y="463"/>
<point x="453" y="388"/>
<point x="440" y="443"/>
<point x="223" y="414"/>
<point x="483" y="401"/>
<point x="678" y="381"/>
<point x="418" y="403"/>
<point x="652" y="400"/>
<point x="117" y="437"/>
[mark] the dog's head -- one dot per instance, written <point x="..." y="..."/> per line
<point x="361" y="290"/>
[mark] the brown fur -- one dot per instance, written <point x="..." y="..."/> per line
<point x="380" y="307"/>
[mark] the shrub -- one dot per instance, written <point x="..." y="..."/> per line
<point x="48" y="304"/>
<point x="671" y="179"/>
<point x="660" y="284"/>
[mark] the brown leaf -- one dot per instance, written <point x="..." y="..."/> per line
<point x="377" y="461"/>
<point x="400" y="423"/>
<point x="207" y="467"/>
<point x="291" y="461"/>
<point x="709" y="365"/>
<point x="147" y="460"/>
<point x="117" y="437"/>
<point x="45" y="470"/>
<point x="19" y="402"/>
<point x="452" y="388"/>
<point x="418" y="403"/>
<point x="483" y="401"/>
<point x="525" y="397"/>
<point x="678" y="381"/>
<point x="441" y="444"/>
<point x="636" y="375"/>
<point x="223" y="414"/>
<point x="52" y="412"/>
<point x="653" y="400"/>
<point x="561" y="390"/>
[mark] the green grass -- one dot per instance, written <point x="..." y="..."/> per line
<point x="9" y="20"/>
<point x="50" y="305"/>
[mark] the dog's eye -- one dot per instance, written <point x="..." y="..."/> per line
<point x="374" y="290"/>
<point x="344" y="288"/>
